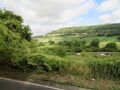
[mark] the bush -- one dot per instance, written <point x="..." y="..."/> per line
<point x="45" y="62"/>
<point x="74" y="46"/>
<point x="23" y="64"/>
<point x="12" y="46"/>
<point x="109" y="70"/>
<point x="66" y="43"/>
<point x="38" y="61"/>
<point x="61" y="51"/>
<point x="95" y="43"/>
<point x="118" y="38"/>
<point x="51" y="42"/>
<point x="110" y="47"/>
<point x="14" y="37"/>
<point x="15" y="24"/>
<point x="78" y="49"/>
<point x="91" y="49"/>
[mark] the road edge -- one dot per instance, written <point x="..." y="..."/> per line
<point x="24" y="82"/>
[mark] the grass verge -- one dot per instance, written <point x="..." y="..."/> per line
<point x="68" y="82"/>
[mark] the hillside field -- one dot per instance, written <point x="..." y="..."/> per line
<point x="84" y="65"/>
<point x="86" y="56"/>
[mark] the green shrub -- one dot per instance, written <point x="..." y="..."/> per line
<point x="110" y="47"/>
<point x="78" y="49"/>
<point x="47" y="62"/>
<point x="95" y="43"/>
<point x="14" y="37"/>
<point x="12" y="46"/>
<point x="118" y="38"/>
<point x="60" y="51"/>
<point x="14" y="23"/>
<point x="37" y="60"/>
<point x="105" y="70"/>
<point x="23" y="64"/>
<point x="51" y="42"/>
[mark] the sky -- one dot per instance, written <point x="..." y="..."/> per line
<point x="44" y="16"/>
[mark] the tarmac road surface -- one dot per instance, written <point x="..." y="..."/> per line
<point x="9" y="84"/>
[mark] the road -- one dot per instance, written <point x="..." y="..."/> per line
<point x="9" y="84"/>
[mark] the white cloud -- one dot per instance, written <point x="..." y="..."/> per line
<point x="46" y="15"/>
<point x="109" y="5"/>
<point x="79" y="10"/>
<point x="106" y="18"/>
<point x="113" y="17"/>
<point x="110" y="11"/>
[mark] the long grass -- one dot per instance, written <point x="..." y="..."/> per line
<point x="87" y="65"/>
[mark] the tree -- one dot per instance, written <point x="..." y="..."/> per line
<point x="51" y="42"/>
<point x="60" y="51"/>
<point x="14" y="37"/>
<point x="66" y="43"/>
<point x="118" y="38"/>
<point x="15" y="23"/>
<point x="78" y="49"/>
<point x="95" y="43"/>
<point x="12" y="46"/>
<point x="110" y="47"/>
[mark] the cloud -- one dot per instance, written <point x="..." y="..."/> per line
<point x="109" y="5"/>
<point x="110" y="11"/>
<point x="113" y="17"/>
<point x="46" y="15"/>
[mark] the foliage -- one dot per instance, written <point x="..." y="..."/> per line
<point x="110" y="47"/>
<point x="90" y="67"/>
<point x="15" y="23"/>
<point x="45" y="62"/>
<point x="105" y="70"/>
<point x="60" y="51"/>
<point x="118" y="38"/>
<point x="14" y="37"/>
<point x="78" y="49"/>
<point x="75" y="46"/>
<point x="95" y="43"/>
<point x="16" y="51"/>
<point x="11" y="45"/>
<point x="66" y="43"/>
<point x="51" y="42"/>
<point x="96" y="30"/>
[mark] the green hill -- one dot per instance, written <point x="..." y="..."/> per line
<point x="105" y="33"/>
<point x="96" y="30"/>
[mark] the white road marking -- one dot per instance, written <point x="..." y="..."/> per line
<point x="23" y="82"/>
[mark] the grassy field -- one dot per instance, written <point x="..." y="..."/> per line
<point x="87" y="69"/>
<point x="103" y="40"/>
